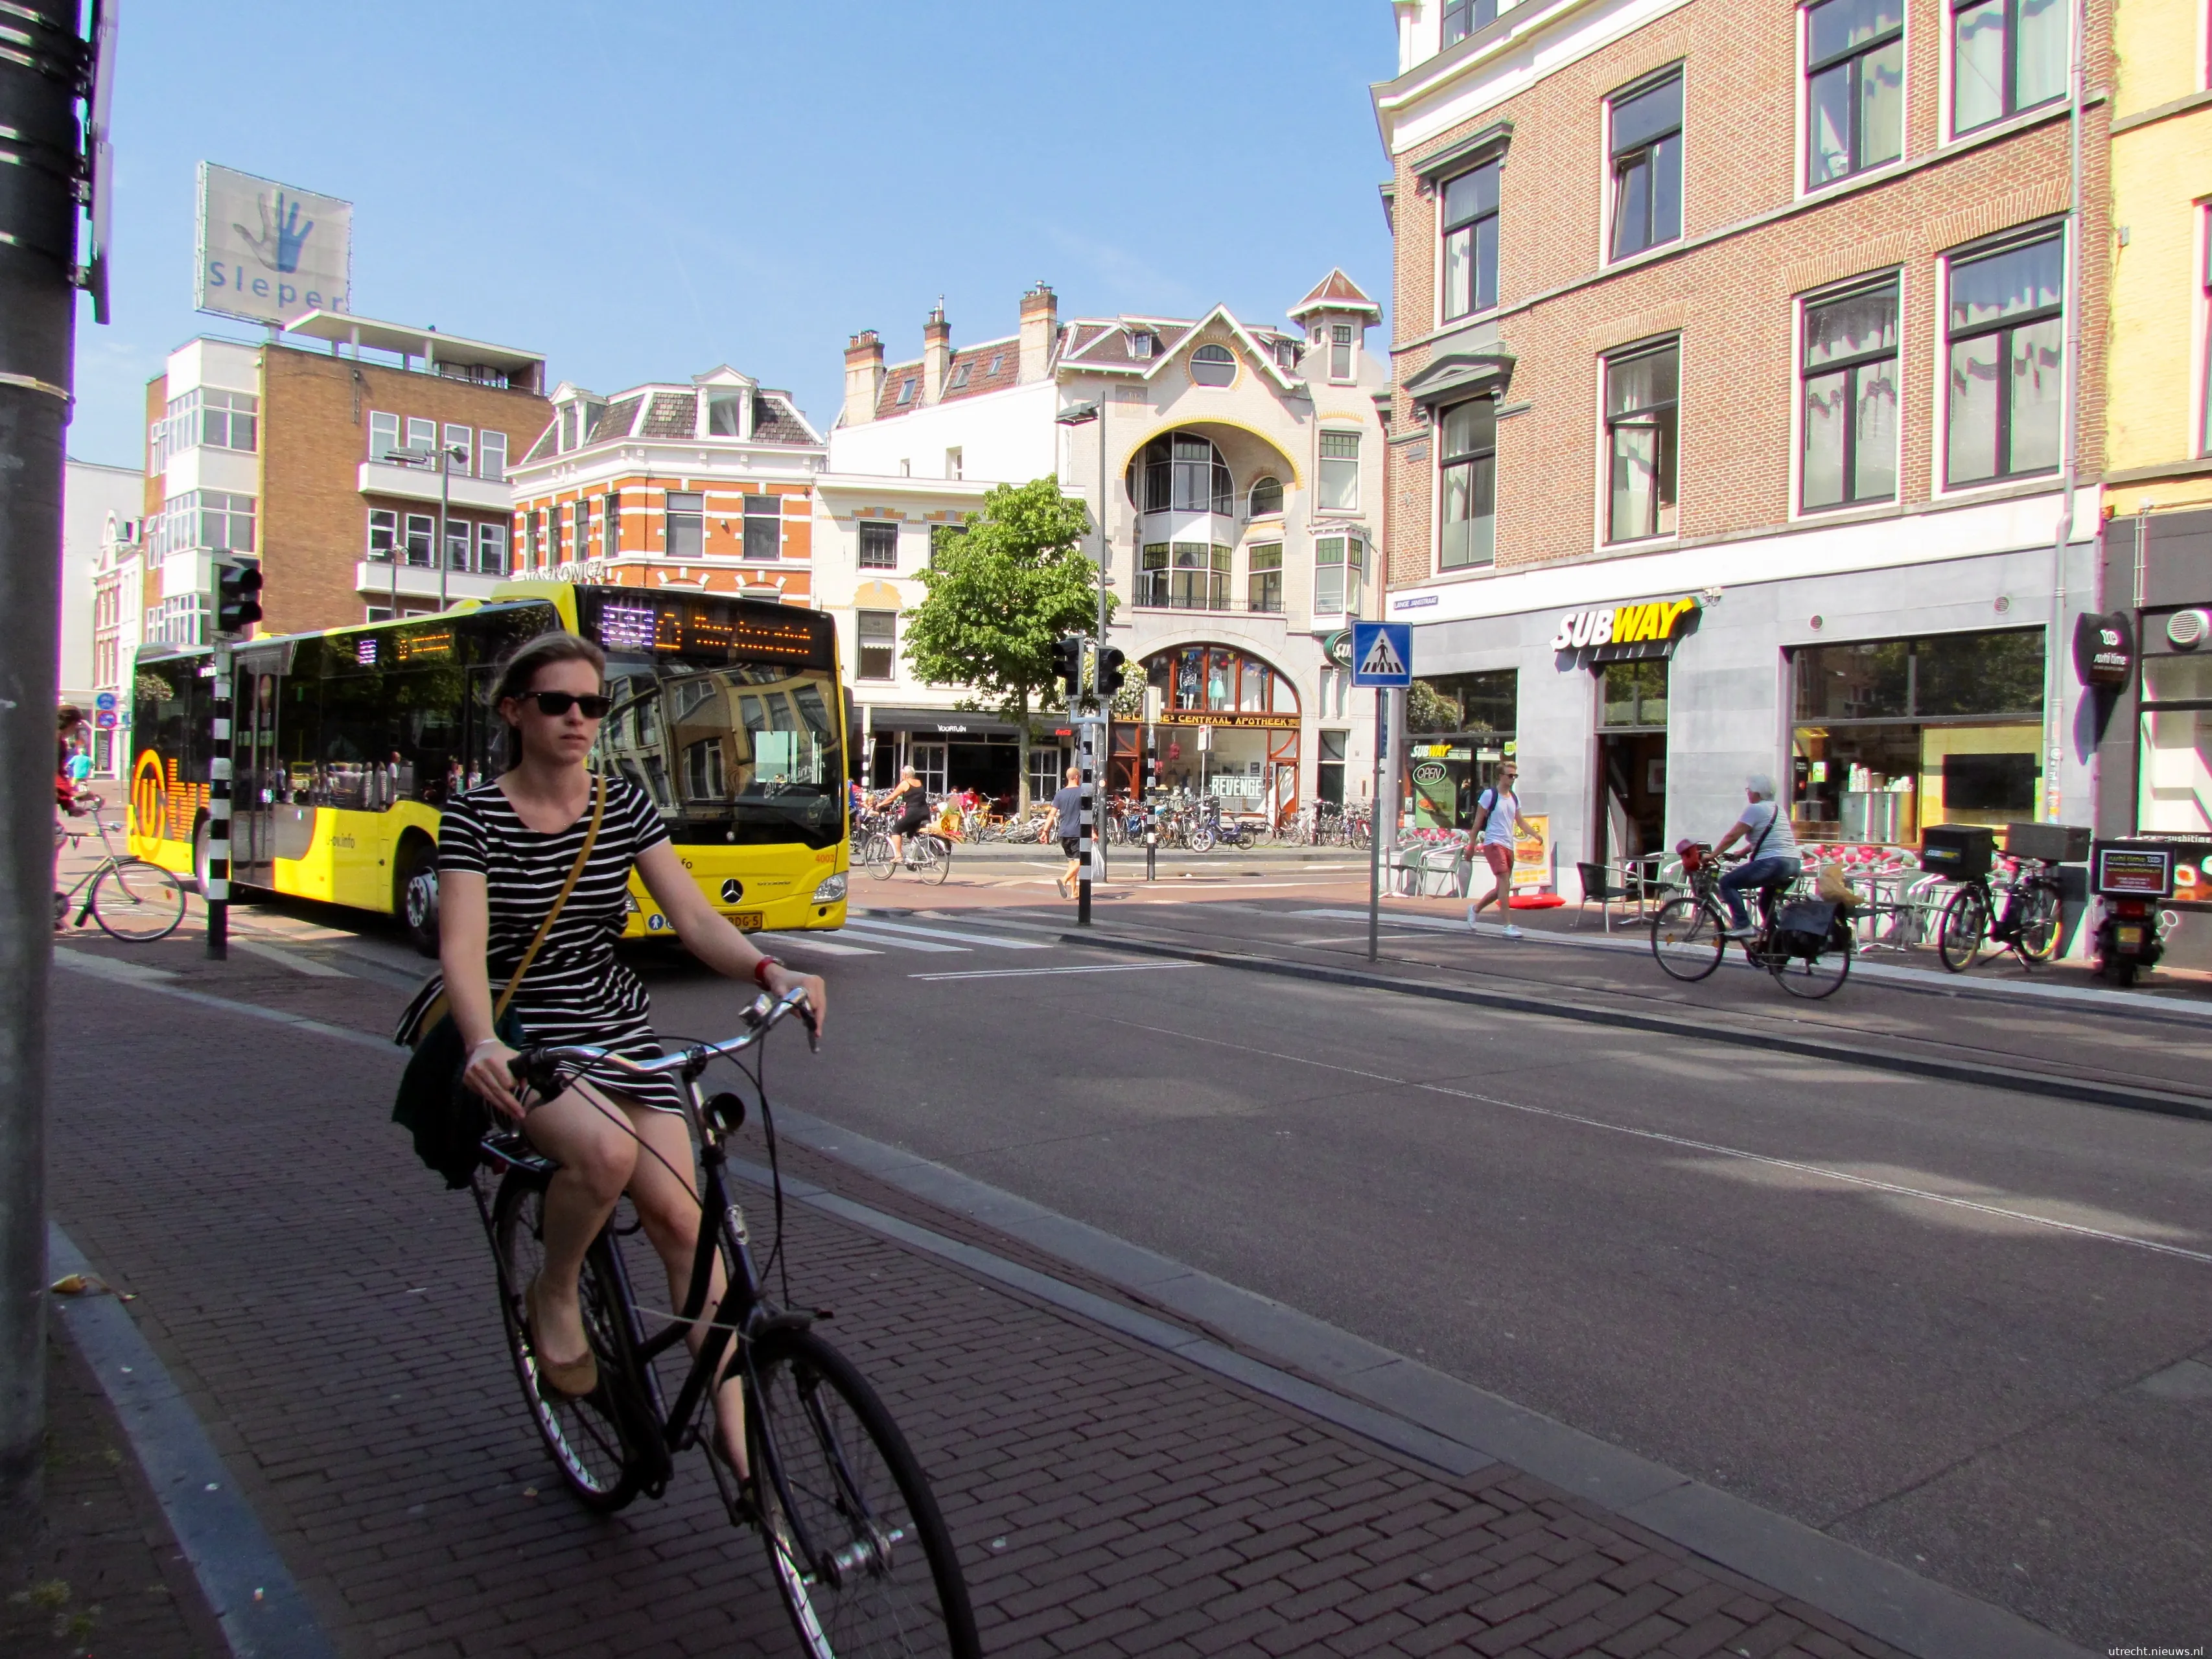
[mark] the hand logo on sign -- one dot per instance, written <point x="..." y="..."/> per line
<point x="279" y="244"/>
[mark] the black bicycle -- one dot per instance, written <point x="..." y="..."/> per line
<point x="2020" y="915"/>
<point x="1806" y="944"/>
<point x="858" y="1548"/>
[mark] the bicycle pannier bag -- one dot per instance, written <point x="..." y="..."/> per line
<point x="1801" y="927"/>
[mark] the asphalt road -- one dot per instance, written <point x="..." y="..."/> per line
<point x="1948" y="1323"/>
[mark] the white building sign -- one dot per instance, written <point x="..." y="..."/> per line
<point x="268" y="252"/>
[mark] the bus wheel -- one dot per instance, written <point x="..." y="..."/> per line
<point x="415" y="895"/>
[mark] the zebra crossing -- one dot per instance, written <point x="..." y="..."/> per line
<point x="867" y="935"/>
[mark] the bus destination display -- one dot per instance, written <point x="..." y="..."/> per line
<point x="696" y="630"/>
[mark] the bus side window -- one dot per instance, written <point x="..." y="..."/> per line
<point x="357" y="751"/>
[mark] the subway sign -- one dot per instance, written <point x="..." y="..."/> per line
<point x="1620" y="632"/>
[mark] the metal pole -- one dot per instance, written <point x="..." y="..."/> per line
<point x="217" y="892"/>
<point x="1086" y="745"/>
<point x="37" y="317"/>
<point x="445" y="506"/>
<point x="1375" y="827"/>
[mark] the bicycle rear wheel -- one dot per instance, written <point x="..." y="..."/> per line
<point x="1687" y="940"/>
<point x="595" y="1440"/>
<point x="1965" y="925"/>
<point x="858" y="1548"/>
<point x="932" y="861"/>
<point x="137" y="902"/>
<point x="1819" y="976"/>
<point x="2039" y="921"/>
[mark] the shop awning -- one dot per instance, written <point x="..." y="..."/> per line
<point x="940" y="722"/>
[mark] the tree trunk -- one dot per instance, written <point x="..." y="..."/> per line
<point x="1022" y="744"/>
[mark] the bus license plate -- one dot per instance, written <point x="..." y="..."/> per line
<point x="750" y="920"/>
<point x="2129" y="939"/>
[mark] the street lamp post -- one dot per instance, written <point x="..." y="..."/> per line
<point x="443" y="458"/>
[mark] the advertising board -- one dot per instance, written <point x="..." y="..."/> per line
<point x="270" y="253"/>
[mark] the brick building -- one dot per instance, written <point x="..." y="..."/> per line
<point x="1243" y="477"/>
<point x="1742" y="355"/>
<point x="343" y="466"/>
<point x="703" y="487"/>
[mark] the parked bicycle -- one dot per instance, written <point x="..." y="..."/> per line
<point x="1806" y="944"/>
<point x="858" y="1548"/>
<point x="2020" y="913"/>
<point x="131" y="899"/>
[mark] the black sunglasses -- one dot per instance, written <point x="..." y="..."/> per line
<point x="557" y="703"/>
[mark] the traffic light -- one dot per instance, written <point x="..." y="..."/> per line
<point x="1067" y="662"/>
<point x="1111" y="659"/>
<point x="237" y="597"/>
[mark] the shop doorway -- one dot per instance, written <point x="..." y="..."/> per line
<point x="1630" y="815"/>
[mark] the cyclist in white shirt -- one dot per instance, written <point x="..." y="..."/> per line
<point x="1764" y="826"/>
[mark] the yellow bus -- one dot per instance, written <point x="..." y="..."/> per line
<point x="731" y="713"/>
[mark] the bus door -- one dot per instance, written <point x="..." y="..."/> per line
<point x="254" y="754"/>
<point x="482" y="751"/>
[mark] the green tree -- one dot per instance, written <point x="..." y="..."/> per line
<point x="1002" y="589"/>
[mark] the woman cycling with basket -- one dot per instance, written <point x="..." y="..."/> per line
<point x="550" y="836"/>
<point x="910" y="801"/>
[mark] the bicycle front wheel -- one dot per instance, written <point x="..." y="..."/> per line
<point x="932" y="861"/>
<point x="876" y="859"/>
<point x="137" y="902"/>
<point x="1965" y="923"/>
<point x="860" y="1552"/>
<point x="1687" y="940"/>
<point x="2039" y="923"/>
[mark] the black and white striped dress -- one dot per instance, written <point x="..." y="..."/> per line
<point x="577" y="990"/>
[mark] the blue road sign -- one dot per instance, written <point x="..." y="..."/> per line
<point x="1382" y="653"/>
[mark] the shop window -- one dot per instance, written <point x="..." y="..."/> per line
<point x="878" y="546"/>
<point x="1633" y="695"/>
<point x="1266" y="498"/>
<point x="1265" y="581"/>
<point x="2174" y="781"/>
<point x="2008" y="343"/>
<point x="1208" y="679"/>
<point x="1647" y="166"/>
<point x="1470" y="220"/>
<point x="1849" y="369"/>
<point x="1486" y="704"/>
<point x="763" y="526"/>
<point x="1642" y="412"/>
<point x="1328" y="769"/>
<point x="1340" y="472"/>
<point x="1212" y="365"/>
<point x="2006" y="56"/>
<point x="1469" y="498"/>
<point x="1854" y="88"/>
<point x="383" y="533"/>
<point x="1339" y="574"/>
<point x="879" y="639"/>
<point x="687" y="525"/>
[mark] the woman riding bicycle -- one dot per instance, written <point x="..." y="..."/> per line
<point x="1772" y="859"/>
<point x="911" y="800"/>
<point x="504" y="852"/>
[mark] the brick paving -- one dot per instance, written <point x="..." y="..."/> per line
<point x="327" y="1307"/>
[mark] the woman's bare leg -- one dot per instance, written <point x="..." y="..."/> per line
<point x="596" y="1155"/>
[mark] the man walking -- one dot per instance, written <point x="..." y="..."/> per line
<point x="1066" y="822"/>
<point x="1497" y="820"/>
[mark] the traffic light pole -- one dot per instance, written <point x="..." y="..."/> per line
<point x="216" y="888"/>
<point x="39" y="87"/>
<point x="1087" y="744"/>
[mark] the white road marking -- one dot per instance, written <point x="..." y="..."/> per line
<point x="1793" y="1164"/>
<point x="1023" y="973"/>
<point x="894" y="942"/>
<point x="876" y="924"/>
<point x="815" y="942"/>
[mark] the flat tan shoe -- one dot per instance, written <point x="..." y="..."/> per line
<point x="575" y="1378"/>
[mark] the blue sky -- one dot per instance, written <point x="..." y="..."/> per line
<point x="641" y="192"/>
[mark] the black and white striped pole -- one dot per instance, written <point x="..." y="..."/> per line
<point x="215" y="884"/>
<point x="1086" y="743"/>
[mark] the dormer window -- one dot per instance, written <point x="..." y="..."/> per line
<point x="1142" y="343"/>
<point x="998" y="358"/>
<point x="906" y="392"/>
<point x="960" y="377"/>
<point x="726" y="413"/>
<point x="1286" y="352"/>
<point x="1212" y="365"/>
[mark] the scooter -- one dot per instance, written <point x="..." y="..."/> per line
<point x="2131" y="938"/>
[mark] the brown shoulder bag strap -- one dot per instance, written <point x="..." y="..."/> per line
<point x="583" y="858"/>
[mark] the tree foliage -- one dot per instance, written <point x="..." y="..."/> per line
<point x="1428" y="709"/>
<point x="1000" y="589"/>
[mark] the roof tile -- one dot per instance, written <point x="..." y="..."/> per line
<point x="673" y="415"/>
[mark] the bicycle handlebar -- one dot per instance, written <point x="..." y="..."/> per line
<point x="536" y="1066"/>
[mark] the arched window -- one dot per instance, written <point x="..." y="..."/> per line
<point x="1267" y="496"/>
<point x="1212" y="365"/>
<point x="1180" y="472"/>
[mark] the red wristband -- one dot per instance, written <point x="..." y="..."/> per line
<point x="760" y="970"/>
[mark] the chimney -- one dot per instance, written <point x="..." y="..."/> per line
<point x="863" y="376"/>
<point x="936" y="353"/>
<point x="1040" y="325"/>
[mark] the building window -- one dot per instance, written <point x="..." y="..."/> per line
<point x="1265" y="584"/>
<point x="1266" y="498"/>
<point x="763" y="527"/>
<point x="878" y="644"/>
<point x="2008" y="338"/>
<point x="1142" y="343"/>
<point x="491" y="549"/>
<point x="383" y="533"/>
<point x="459" y="534"/>
<point x="1642" y="400"/>
<point x="2006" y="56"/>
<point x="1340" y="472"/>
<point x="463" y="439"/>
<point x="878" y="546"/>
<point x="1152" y="574"/>
<point x="1198" y="576"/>
<point x="1182" y="473"/>
<point x="533" y="536"/>
<point x="228" y="419"/>
<point x="1468" y="462"/>
<point x="1339" y="574"/>
<point x="1212" y="365"/>
<point x="906" y="390"/>
<point x="960" y="374"/>
<point x="1463" y="17"/>
<point x="687" y="524"/>
<point x="212" y="518"/>
<point x="1849" y="370"/>
<point x="954" y="463"/>
<point x="2204" y="316"/>
<point x="421" y="539"/>
<point x="383" y="434"/>
<point x="1647" y="167"/>
<point x="2174" y="769"/>
<point x="1329" y="768"/>
<point x="580" y="539"/>
<point x="1854" y="87"/>
<point x="423" y="438"/>
<point x="610" y="524"/>
<point x="1471" y="242"/>
<point x="1339" y="351"/>
<point x="491" y="455"/>
<point x="726" y="413"/>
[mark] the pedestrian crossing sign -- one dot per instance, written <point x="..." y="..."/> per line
<point x="1382" y="653"/>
